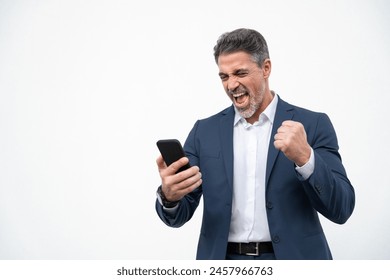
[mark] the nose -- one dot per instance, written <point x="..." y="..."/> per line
<point x="232" y="83"/>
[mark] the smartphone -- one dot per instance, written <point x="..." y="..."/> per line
<point x="171" y="150"/>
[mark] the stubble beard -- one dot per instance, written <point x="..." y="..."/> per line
<point x="254" y="104"/>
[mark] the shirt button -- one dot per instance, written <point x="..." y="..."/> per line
<point x="275" y="239"/>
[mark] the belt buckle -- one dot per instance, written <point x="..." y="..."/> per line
<point x="256" y="253"/>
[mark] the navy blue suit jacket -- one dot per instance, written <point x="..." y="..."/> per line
<point x="292" y="204"/>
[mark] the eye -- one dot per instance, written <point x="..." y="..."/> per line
<point x="223" y="77"/>
<point x="241" y="74"/>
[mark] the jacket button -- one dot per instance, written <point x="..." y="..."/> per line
<point x="275" y="239"/>
<point x="269" y="205"/>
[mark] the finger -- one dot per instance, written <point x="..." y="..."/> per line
<point x="193" y="186"/>
<point x="289" y="123"/>
<point x="175" y="166"/>
<point x="282" y="129"/>
<point x="280" y="135"/>
<point x="186" y="174"/>
<point x="190" y="185"/>
<point x="188" y="177"/>
<point x="278" y="144"/>
<point x="180" y="180"/>
<point x="178" y="185"/>
<point x="293" y="126"/>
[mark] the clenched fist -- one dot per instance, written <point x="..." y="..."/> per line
<point x="292" y="141"/>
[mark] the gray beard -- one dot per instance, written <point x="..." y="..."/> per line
<point x="247" y="113"/>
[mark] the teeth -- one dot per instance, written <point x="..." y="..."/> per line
<point x="236" y="95"/>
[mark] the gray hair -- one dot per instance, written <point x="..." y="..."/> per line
<point x="246" y="40"/>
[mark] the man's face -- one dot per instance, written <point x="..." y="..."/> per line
<point x="244" y="82"/>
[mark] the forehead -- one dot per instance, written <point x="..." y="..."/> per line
<point x="233" y="61"/>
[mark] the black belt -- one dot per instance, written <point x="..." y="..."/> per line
<point x="250" y="249"/>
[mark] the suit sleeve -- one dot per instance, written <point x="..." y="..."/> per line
<point x="328" y="188"/>
<point x="190" y="202"/>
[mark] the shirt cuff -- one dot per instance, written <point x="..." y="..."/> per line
<point x="308" y="168"/>
<point x="171" y="210"/>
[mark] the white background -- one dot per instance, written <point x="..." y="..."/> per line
<point x="88" y="87"/>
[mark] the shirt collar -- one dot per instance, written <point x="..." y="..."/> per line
<point x="268" y="113"/>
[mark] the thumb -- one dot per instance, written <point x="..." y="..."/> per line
<point x="161" y="163"/>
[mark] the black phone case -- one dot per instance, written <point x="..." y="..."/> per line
<point x="171" y="150"/>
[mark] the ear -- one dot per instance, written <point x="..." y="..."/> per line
<point x="266" y="68"/>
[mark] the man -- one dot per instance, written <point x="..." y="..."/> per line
<point x="265" y="168"/>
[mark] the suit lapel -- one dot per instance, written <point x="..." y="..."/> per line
<point x="226" y="140"/>
<point x="284" y="111"/>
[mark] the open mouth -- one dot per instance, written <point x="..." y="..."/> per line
<point x="240" y="97"/>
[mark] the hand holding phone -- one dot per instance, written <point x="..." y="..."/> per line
<point x="175" y="186"/>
